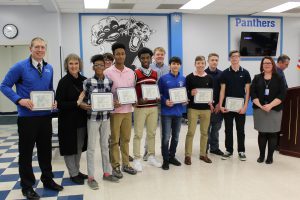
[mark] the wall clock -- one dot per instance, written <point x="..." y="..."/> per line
<point x="10" y="31"/>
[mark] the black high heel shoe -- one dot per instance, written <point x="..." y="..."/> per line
<point x="260" y="159"/>
<point x="269" y="161"/>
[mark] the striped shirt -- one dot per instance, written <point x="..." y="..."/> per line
<point x="96" y="85"/>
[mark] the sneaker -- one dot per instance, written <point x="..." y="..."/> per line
<point x="128" y="169"/>
<point x="165" y="165"/>
<point x="242" y="156"/>
<point x="152" y="161"/>
<point x="93" y="184"/>
<point x="187" y="160"/>
<point x="226" y="155"/>
<point x="116" y="172"/>
<point x="111" y="178"/>
<point x="137" y="165"/>
<point x="145" y="156"/>
<point x="217" y="152"/>
<point x="174" y="161"/>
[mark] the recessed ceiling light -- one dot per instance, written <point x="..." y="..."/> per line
<point x="283" y="7"/>
<point x="96" y="4"/>
<point x="196" y="4"/>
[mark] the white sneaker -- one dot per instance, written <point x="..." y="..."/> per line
<point x="137" y="165"/>
<point x="152" y="161"/>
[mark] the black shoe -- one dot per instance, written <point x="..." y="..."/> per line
<point x="77" y="179"/>
<point x="269" y="161"/>
<point x="217" y="152"/>
<point x="260" y="159"/>
<point x="174" y="161"/>
<point x="30" y="194"/>
<point x="130" y="158"/>
<point x="52" y="185"/>
<point x="83" y="176"/>
<point x="165" y="165"/>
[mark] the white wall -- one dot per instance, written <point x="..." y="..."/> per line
<point x="209" y="33"/>
<point x="33" y="21"/>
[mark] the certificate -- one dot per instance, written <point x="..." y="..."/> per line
<point x="204" y="95"/>
<point x="178" y="95"/>
<point x="126" y="95"/>
<point x="234" y="104"/>
<point x="150" y="92"/>
<point x="42" y="100"/>
<point x="102" y="101"/>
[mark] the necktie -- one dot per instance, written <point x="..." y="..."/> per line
<point x="39" y="68"/>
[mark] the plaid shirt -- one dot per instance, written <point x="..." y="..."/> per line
<point x="97" y="85"/>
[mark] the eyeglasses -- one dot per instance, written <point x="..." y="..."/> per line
<point x="99" y="66"/>
<point x="267" y="63"/>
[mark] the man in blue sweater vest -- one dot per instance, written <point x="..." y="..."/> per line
<point x="34" y="127"/>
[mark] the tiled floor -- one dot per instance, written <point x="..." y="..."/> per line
<point x="221" y="180"/>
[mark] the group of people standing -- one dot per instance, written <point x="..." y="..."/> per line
<point x="79" y="126"/>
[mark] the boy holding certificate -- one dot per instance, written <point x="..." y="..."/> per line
<point x="121" y="117"/>
<point x="98" y="122"/>
<point x="195" y="82"/>
<point x="146" y="111"/>
<point x="171" y="113"/>
<point x="235" y="86"/>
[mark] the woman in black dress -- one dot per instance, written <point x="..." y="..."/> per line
<point x="72" y="119"/>
<point x="267" y="92"/>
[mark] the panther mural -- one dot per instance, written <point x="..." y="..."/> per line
<point x="132" y="33"/>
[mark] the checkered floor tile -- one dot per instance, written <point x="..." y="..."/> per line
<point x="9" y="175"/>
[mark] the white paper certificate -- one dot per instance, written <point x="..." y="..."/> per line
<point x="234" y="104"/>
<point x="126" y="95"/>
<point x="178" y="95"/>
<point x="150" y="92"/>
<point x="42" y="100"/>
<point x="204" y="95"/>
<point x="102" y="101"/>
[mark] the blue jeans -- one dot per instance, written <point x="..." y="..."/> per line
<point x="213" y="131"/>
<point x="170" y="127"/>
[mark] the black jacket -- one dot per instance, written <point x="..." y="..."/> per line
<point x="276" y="88"/>
<point x="70" y="116"/>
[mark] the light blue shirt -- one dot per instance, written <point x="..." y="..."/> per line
<point x="161" y="70"/>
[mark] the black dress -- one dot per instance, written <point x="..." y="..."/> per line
<point x="70" y="116"/>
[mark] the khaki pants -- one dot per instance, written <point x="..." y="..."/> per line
<point x="149" y="117"/>
<point x="193" y="116"/>
<point x="120" y="125"/>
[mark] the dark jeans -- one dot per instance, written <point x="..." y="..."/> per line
<point x="170" y="128"/>
<point x="213" y="131"/>
<point x="240" y="129"/>
<point x="34" y="130"/>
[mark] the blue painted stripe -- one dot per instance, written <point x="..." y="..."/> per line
<point x="175" y="37"/>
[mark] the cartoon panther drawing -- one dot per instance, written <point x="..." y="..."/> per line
<point x="133" y="34"/>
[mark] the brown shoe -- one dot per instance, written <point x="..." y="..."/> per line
<point x="205" y="159"/>
<point x="187" y="160"/>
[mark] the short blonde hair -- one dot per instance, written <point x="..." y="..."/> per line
<point x="37" y="39"/>
<point x="72" y="56"/>
<point x="159" y="49"/>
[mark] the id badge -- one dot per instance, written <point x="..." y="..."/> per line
<point x="267" y="91"/>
